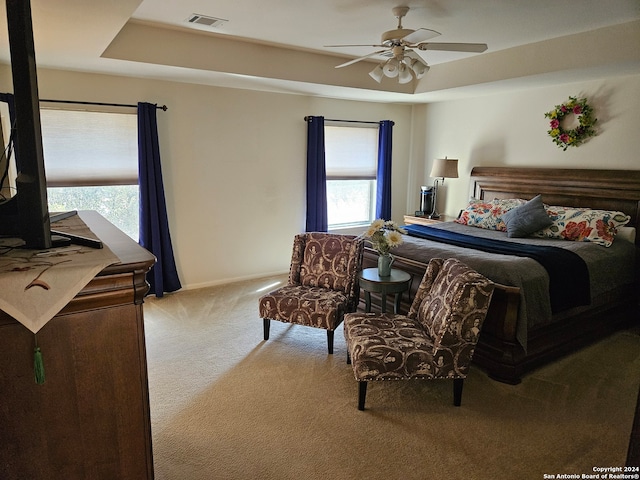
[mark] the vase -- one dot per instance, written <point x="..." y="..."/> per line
<point x="384" y="265"/>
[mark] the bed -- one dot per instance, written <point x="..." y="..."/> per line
<point x="524" y="329"/>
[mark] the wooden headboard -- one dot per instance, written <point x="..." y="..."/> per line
<point x="598" y="189"/>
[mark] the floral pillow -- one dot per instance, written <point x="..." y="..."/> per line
<point x="583" y="225"/>
<point x="487" y="214"/>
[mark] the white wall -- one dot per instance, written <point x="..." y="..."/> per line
<point x="510" y="129"/>
<point x="234" y="165"/>
<point x="234" y="160"/>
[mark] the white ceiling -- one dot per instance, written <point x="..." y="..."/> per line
<point x="279" y="45"/>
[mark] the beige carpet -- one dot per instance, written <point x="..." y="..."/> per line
<point x="227" y="405"/>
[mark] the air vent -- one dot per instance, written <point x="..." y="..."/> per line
<point x="212" y="22"/>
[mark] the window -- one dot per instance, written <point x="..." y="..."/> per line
<point x="91" y="163"/>
<point x="351" y="156"/>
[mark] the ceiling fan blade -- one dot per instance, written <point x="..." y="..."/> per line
<point x="351" y="62"/>
<point x="453" y="47"/>
<point x="351" y="45"/>
<point x="421" y="35"/>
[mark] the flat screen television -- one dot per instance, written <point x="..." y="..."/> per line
<point x="26" y="213"/>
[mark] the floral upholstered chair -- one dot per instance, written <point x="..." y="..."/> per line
<point x="323" y="284"/>
<point x="435" y="340"/>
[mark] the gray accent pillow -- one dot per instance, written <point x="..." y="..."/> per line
<point x="526" y="219"/>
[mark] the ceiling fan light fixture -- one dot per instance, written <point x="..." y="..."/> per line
<point x="419" y="68"/>
<point x="377" y="73"/>
<point x="391" y="68"/>
<point x="399" y="45"/>
<point x="404" y="74"/>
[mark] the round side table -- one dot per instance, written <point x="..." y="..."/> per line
<point x="398" y="282"/>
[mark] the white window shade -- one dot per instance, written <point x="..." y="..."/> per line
<point x="351" y="152"/>
<point x="89" y="148"/>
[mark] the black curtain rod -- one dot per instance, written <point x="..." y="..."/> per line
<point x="163" y="107"/>
<point x="306" y="119"/>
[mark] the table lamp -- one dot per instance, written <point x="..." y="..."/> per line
<point x="442" y="168"/>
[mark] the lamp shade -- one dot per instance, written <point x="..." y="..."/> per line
<point x="419" y="68"/>
<point x="404" y="74"/>
<point x="390" y="68"/>
<point x="377" y="73"/>
<point x="444" y="168"/>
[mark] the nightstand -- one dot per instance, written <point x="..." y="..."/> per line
<point x="412" y="220"/>
<point x="396" y="283"/>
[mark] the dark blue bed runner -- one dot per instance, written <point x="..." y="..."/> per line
<point x="568" y="273"/>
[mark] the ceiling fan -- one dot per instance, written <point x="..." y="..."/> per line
<point x="398" y="45"/>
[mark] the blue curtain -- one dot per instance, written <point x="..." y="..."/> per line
<point x="154" y="225"/>
<point x="316" y="177"/>
<point x="383" y="193"/>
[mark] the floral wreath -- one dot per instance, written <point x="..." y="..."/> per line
<point x="576" y="136"/>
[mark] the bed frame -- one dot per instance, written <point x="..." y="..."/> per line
<point x="498" y="350"/>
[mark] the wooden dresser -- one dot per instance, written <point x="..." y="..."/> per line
<point x="90" y="419"/>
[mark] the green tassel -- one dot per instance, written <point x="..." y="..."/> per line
<point x="38" y="366"/>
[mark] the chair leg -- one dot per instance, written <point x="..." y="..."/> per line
<point x="362" y="394"/>
<point x="457" y="391"/>
<point x="266" y="323"/>
<point x="330" y="341"/>
<point x="348" y="358"/>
